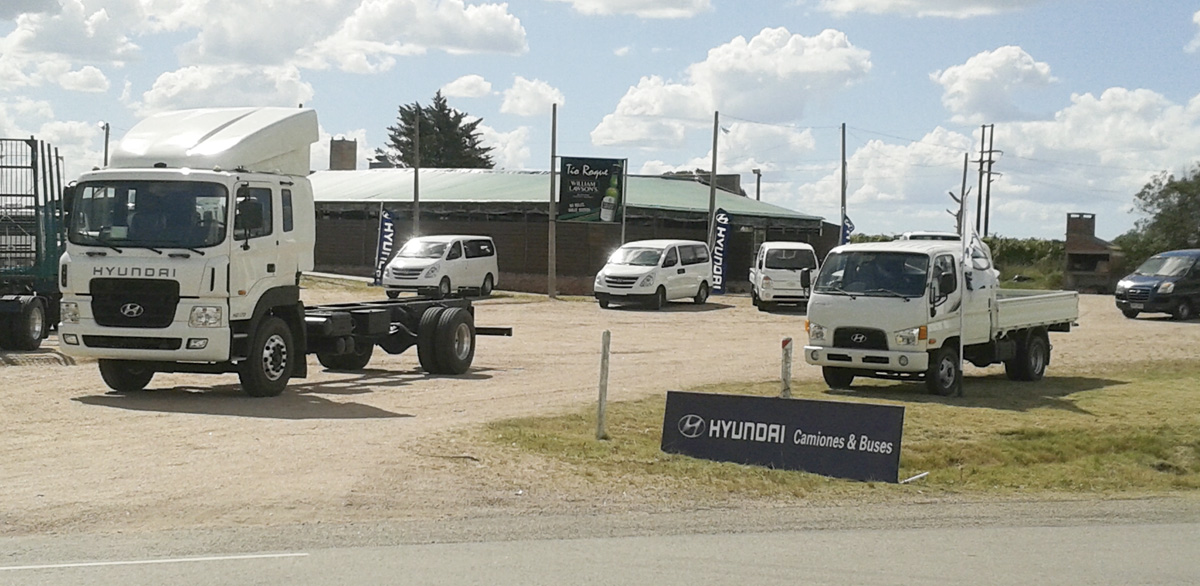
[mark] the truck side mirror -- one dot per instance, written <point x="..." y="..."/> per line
<point x="946" y="284"/>
<point x="806" y="278"/>
<point x="68" y="197"/>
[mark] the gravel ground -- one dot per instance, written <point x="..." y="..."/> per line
<point x="392" y="445"/>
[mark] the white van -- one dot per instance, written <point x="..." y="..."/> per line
<point x="654" y="272"/>
<point x="443" y="265"/>
<point x="782" y="273"/>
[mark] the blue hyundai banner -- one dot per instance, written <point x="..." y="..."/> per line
<point x="720" y="247"/>
<point x="860" y="441"/>
<point x="387" y="243"/>
<point x="847" y="228"/>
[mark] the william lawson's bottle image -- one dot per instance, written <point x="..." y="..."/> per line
<point x="610" y="205"/>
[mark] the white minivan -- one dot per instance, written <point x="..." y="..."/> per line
<point x="782" y="273"/>
<point x="443" y="265"/>
<point x="654" y="272"/>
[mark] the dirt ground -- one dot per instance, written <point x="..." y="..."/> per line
<point x="391" y="443"/>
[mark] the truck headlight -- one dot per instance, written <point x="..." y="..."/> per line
<point x="205" y="316"/>
<point x="432" y="271"/>
<point x="816" y="333"/>
<point x="69" y="312"/>
<point x="911" y="336"/>
<point x="1167" y="287"/>
<point x="766" y="283"/>
<point x="647" y="281"/>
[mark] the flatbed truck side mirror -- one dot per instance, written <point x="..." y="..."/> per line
<point x="806" y="278"/>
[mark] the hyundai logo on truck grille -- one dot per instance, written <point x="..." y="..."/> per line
<point x="858" y="338"/>
<point x="691" y="426"/>
<point x="132" y="310"/>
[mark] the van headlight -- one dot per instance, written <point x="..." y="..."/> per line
<point x="1122" y="285"/>
<point x="600" y="278"/>
<point x="69" y="312"/>
<point x="205" y="316"/>
<point x="647" y="281"/>
<point x="1167" y="287"/>
<point x="432" y="271"/>
<point x="816" y="333"/>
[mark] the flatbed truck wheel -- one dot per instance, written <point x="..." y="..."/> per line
<point x="265" y="373"/>
<point x="356" y="360"/>
<point x="426" y="340"/>
<point x="26" y="329"/>
<point x="454" y="341"/>
<point x="124" y="377"/>
<point x="943" y="376"/>
<point x="1033" y="354"/>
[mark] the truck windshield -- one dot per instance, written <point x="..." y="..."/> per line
<point x="422" y="249"/>
<point x="1165" y="266"/>
<point x="642" y="257"/>
<point x="883" y="274"/>
<point x="790" y="259"/>
<point x="149" y="214"/>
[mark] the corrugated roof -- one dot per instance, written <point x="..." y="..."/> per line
<point x="492" y="186"/>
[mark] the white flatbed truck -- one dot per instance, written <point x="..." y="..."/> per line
<point x="904" y="309"/>
<point x="186" y="253"/>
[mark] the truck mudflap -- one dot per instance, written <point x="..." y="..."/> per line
<point x="859" y="359"/>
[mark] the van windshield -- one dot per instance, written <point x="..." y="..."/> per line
<point x="1165" y="266"/>
<point x="790" y="259"/>
<point x="422" y="249"/>
<point x="642" y="257"/>
<point x="883" y="274"/>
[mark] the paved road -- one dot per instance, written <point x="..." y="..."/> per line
<point x="1133" y="542"/>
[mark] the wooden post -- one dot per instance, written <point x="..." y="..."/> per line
<point x="605" y="340"/>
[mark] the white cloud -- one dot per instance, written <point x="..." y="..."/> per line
<point x="88" y="79"/>
<point x="76" y="32"/>
<point x="213" y="86"/>
<point x="467" y="86"/>
<point x="380" y="30"/>
<point x="79" y="143"/>
<point x="745" y="146"/>
<point x="235" y="31"/>
<point x="510" y="150"/>
<point x="1193" y="46"/>
<point x="14" y="8"/>
<point x="642" y="8"/>
<point x="982" y="88"/>
<point x="921" y="8"/>
<point x="622" y="51"/>
<point x="771" y="77"/>
<point x="530" y="97"/>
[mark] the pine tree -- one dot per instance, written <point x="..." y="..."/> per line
<point x="447" y="140"/>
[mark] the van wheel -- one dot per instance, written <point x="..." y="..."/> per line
<point x="455" y="341"/>
<point x="603" y="303"/>
<point x="353" y="361"/>
<point x="836" y="377"/>
<point x="124" y="377"/>
<point x="443" y="290"/>
<point x="943" y="376"/>
<point x="660" y="299"/>
<point x="265" y="373"/>
<point x="1130" y="313"/>
<point x="702" y="294"/>
<point x="427" y="341"/>
<point x="488" y="283"/>
<point x="1183" y="311"/>
<point x="29" y="327"/>
<point x="393" y="294"/>
<point x="1033" y="354"/>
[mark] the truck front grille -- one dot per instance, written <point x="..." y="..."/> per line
<point x="134" y="303"/>
<point x="860" y="338"/>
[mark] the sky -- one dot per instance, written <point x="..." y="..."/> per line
<point x="1090" y="99"/>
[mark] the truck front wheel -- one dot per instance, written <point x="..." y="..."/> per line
<point x="837" y="378"/>
<point x="123" y="376"/>
<point x="1033" y="354"/>
<point x="1183" y="311"/>
<point x="266" y="372"/>
<point x="943" y="376"/>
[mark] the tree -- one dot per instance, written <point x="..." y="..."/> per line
<point x="447" y="140"/>
<point x="1173" y="209"/>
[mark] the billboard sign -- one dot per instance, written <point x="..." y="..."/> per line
<point x="591" y="190"/>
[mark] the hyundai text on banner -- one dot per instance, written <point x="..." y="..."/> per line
<point x="720" y="247"/>
<point x="591" y="190"/>
<point x="387" y="243"/>
<point x="860" y="441"/>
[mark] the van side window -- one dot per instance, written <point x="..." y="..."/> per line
<point x="701" y="253"/>
<point x="479" y="248"/>
<point x="687" y="255"/>
<point x="456" y="251"/>
<point x="672" y="258"/>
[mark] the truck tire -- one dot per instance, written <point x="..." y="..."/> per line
<point x="455" y="341"/>
<point x="393" y="294"/>
<point x="702" y="294"/>
<point x="123" y="377"/>
<point x="265" y="373"/>
<point x="27" y="328"/>
<point x="1183" y="311"/>
<point x="356" y="360"/>
<point x="944" y="376"/>
<point x="427" y="341"/>
<point x="603" y="303"/>
<point x="837" y="377"/>
<point x="1033" y="354"/>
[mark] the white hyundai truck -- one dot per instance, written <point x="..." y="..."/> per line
<point x="185" y="255"/>
<point x="903" y="309"/>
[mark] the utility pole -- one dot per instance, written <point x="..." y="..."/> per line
<point x="757" y="184"/>
<point x="106" y="131"/>
<point x="987" y="136"/>
<point x="842" y="228"/>
<point x="417" y="174"/>
<point x="551" y="218"/>
<point x="712" y="185"/>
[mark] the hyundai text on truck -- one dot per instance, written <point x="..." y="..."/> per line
<point x="901" y="309"/>
<point x="185" y="255"/>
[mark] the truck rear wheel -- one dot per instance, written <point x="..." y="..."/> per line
<point x="427" y="341"/>
<point x="455" y="341"/>
<point x="356" y="360"/>
<point x="836" y="377"/>
<point x="1033" y="354"/>
<point x="944" y="375"/>
<point x="123" y="376"/>
<point x="26" y="329"/>
<point x="265" y="373"/>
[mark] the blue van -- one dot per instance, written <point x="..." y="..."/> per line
<point x="1168" y="282"/>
